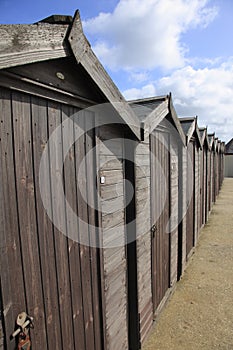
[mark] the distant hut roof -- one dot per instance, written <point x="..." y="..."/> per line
<point x="204" y="137"/>
<point x="190" y="128"/>
<point x="229" y="147"/>
<point x="151" y="111"/>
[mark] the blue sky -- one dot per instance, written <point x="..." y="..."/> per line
<point x="152" y="47"/>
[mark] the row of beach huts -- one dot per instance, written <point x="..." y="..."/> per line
<point x="102" y="200"/>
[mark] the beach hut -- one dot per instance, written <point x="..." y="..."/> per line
<point x="64" y="257"/>
<point x="99" y="197"/>
<point x="211" y="138"/>
<point x="157" y="205"/>
<point x="204" y="176"/>
<point x="193" y="142"/>
<point x="222" y="162"/>
<point x="216" y="168"/>
<point x="223" y="150"/>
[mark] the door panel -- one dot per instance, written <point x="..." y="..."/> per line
<point x="190" y="197"/>
<point x="160" y="202"/>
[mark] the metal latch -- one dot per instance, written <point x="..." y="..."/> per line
<point x="153" y="230"/>
<point x="23" y="324"/>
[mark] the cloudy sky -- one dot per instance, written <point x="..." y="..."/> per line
<point x="153" y="47"/>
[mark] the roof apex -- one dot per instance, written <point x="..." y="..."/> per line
<point x="57" y="19"/>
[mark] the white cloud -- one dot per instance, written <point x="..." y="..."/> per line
<point x="207" y="93"/>
<point x="148" y="90"/>
<point x="146" y="33"/>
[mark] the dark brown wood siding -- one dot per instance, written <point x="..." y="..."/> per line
<point x="110" y="144"/>
<point x="43" y="272"/>
<point x="160" y="214"/>
<point x="143" y="229"/>
<point x="190" y="218"/>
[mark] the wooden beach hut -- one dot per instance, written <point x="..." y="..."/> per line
<point x="193" y="142"/>
<point x="229" y="159"/>
<point x="98" y="196"/>
<point x="204" y="176"/>
<point x="216" y="168"/>
<point x="211" y="138"/>
<point x="71" y="280"/>
<point x="157" y="205"/>
<point x="222" y="163"/>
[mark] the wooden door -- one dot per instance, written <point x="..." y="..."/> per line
<point x="190" y="235"/>
<point x="110" y="148"/>
<point x="44" y="271"/>
<point x="160" y="213"/>
<point x="209" y="181"/>
<point x="202" y="188"/>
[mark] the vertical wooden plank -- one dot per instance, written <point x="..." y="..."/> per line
<point x="174" y="207"/>
<point x="164" y="218"/>
<point x="201" y="189"/>
<point x="158" y="199"/>
<point x="113" y="228"/>
<point x="45" y="228"/>
<point x="160" y="194"/>
<point x="160" y="220"/>
<point x="83" y="231"/>
<point x="45" y="231"/>
<point x="2" y="332"/>
<point x="92" y="220"/>
<point x="70" y="181"/>
<point x="184" y="198"/>
<point x="206" y="185"/>
<point x="152" y="194"/>
<point x="58" y="209"/>
<point x="197" y="193"/>
<point x="27" y="216"/>
<point x="156" y="222"/>
<point x="12" y="275"/>
<point x="144" y="243"/>
<point x="190" y="197"/>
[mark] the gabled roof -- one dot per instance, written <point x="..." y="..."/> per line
<point x="204" y="137"/>
<point x="24" y="44"/>
<point x="216" y="144"/>
<point x="223" y="147"/>
<point x="190" y="128"/>
<point x="229" y="147"/>
<point x="151" y="111"/>
<point x="211" y="140"/>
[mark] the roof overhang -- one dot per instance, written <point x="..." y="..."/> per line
<point x="211" y="138"/>
<point x="192" y="129"/>
<point x="25" y="44"/>
<point x="204" y="137"/>
<point x="153" y="117"/>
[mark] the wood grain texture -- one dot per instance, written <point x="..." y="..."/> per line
<point x="29" y="86"/>
<point x="22" y="44"/>
<point x="84" y="55"/>
<point x="184" y="206"/>
<point x="110" y="144"/>
<point x="58" y="212"/>
<point x="44" y="226"/>
<point x="143" y="244"/>
<point x="156" y="116"/>
<point x="27" y="214"/>
<point x="12" y="274"/>
<point x="174" y="208"/>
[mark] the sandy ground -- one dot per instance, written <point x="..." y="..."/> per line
<point x="200" y="313"/>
